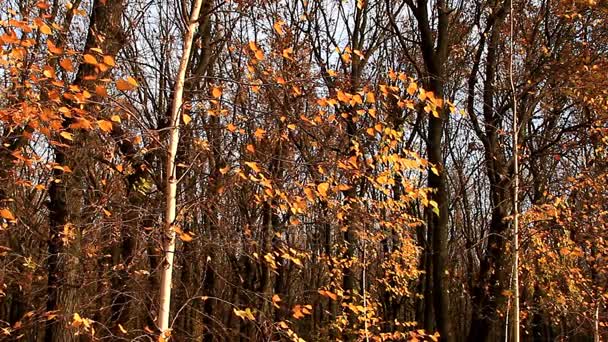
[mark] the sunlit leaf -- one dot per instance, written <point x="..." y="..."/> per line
<point x="67" y="135"/>
<point x="105" y="125"/>
<point x="90" y="59"/>
<point x="7" y="214"/>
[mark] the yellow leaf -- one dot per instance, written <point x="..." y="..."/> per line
<point x="48" y="72"/>
<point x="278" y="27"/>
<point x="115" y="118"/>
<point x="77" y="320"/>
<point x="370" y="97"/>
<point x="186" y="118"/>
<point x="105" y="125"/>
<point x="287" y="53"/>
<point x="309" y="194"/>
<point x="245" y="314"/>
<point x="422" y="95"/>
<point x="412" y="88"/>
<point x="253" y="46"/>
<point x="253" y="166"/>
<point x="67" y="135"/>
<point x="6" y="214"/>
<point x="186" y="237"/>
<point x="216" y="92"/>
<point x="322" y="188"/>
<point x="90" y="59"/>
<point x="346" y="57"/>
<point x="45" y="29"/>
<point x="66" y="64"/>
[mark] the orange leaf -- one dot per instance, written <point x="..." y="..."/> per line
<point x="90" y="59"/>
<point x="370" y="97"/>
<point x="6" y="214"/>
<point x="126" y="84"/>
<point x="287" y="53"/>
<point x="259" y="133"/>
<point x="45" y="29"/>
<point x="186" y="237"/>
<point x="66" y="64"/>
<point x="105" y="125"/>
<point x="278" y="26"/>
<point x="53" y="48"/>
<point x="109" y="60"/>
<point x="322" y="188"/>
<point x="225" y="169"/>
<point x="259" y="54"/>
<point x="101" y="90"/>
<point x="412" y="88"/>
<point x="216" y="92"/>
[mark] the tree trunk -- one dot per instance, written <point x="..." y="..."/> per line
<point x="171" y="174"/>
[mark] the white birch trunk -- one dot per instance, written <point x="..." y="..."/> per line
<point x="171" y="177"/>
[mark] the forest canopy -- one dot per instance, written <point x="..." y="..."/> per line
<point x="303" y="170"/>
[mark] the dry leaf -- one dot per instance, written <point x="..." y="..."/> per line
<point x="216" y="92"/>
<point x="67" y="135"/>
<point x="66" y="64"/>
<point x="278" y="27"/>
<point x="322" y="188"/>
<point x="6" y="214"/>
<point x="90" y="59"/>
<point x="109" y="60"/>
<point x="105" y="125"/>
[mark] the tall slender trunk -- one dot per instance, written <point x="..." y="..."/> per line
<point x="171" y="174"/>
<point x="435" y="52"/>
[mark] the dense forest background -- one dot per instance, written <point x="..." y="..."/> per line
<point x="304" y="170"/>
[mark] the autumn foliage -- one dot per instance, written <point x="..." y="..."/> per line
<point x="344" y="170"/>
